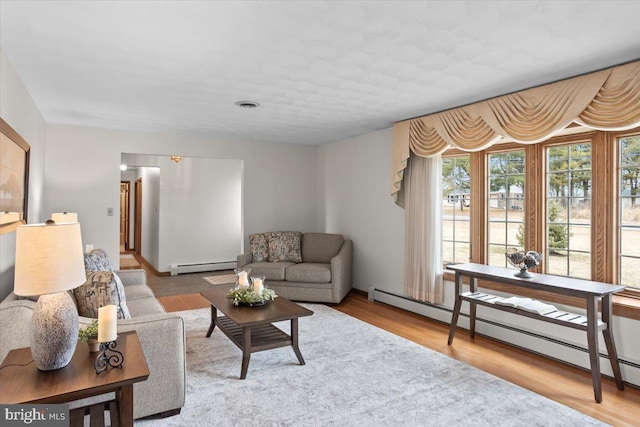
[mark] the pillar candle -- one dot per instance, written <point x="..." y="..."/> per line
<point x="257" y="285"/>
<point x="107" y="323"/>
<point x="242" y="279"/>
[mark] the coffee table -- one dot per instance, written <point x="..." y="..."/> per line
<point x="251" y="329"/>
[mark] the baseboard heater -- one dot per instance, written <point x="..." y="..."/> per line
<point x="204" y="266"/>
<point x="371" y="297"/>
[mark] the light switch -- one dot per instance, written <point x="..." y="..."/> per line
<point x="109" y="211"/>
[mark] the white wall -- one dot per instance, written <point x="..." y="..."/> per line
<point x="83" y="175"/>
<point x="20" y="112"/>
<point x="150" y="178"/>
<point x="200" y="211"/>
<point x="354" y="198"/>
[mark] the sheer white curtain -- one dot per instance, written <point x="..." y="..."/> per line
<point x="423" y="229"/>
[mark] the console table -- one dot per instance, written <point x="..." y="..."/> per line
<point x="591" y="292"/>
<point x="22" y="383"/>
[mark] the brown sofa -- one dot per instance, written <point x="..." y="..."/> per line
<point x="324" y="275"/>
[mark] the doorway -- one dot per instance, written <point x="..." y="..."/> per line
<point x="124" y="215"/>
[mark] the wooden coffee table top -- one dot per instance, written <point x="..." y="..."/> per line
<point x="274" y="311"/>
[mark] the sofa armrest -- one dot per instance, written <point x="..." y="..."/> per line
<point x="132" y="277"/>
<point x="244" y="259"/>
<point x="162" y="337"/>
<point x="341" y="272"/>
<point x="15" y="325"/>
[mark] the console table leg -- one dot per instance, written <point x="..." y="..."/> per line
<point x="472" y="309"/>
<point x="592" y="341"/>
<point x="610" y="343"/>
<point x="456" y="309"/>
<point x="214" y="316"/>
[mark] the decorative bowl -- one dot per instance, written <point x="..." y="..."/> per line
<point x="524" y="261"/>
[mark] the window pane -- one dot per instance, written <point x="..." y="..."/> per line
<point x="447" y="252"/>
<point x="557" y="264"/>
<point x="580" y="265"/>
<point x="629" y="211"/>
<point x="569" y="210"/>
<point x="462" y="252"/>
<point x="580" y="237"/>
<point x="505" y="204"/>
<point x="630" y="242"/>
<point x="462" y="230"/>
<point x="447" y="230"/>
<point x="558" y="158"/>
<point x="497" y="234"/>
<point x="456" y="208"/>
<point x="515" y="234"/>
<point x="580" y="211"/>
<point x="497" y="255"/>
<point x="630" y="272"/>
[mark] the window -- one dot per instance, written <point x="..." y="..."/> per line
<point x="505" y="205"/>
<point x="456" y="207"/>
<point x="574" y="198"/>
<point x="629" y="210"/>
<point x="568" y="219"/>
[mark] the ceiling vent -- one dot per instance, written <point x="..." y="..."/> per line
<point x="247" y="104"/>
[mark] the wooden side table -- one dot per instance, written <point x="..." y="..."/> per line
<point x="21" y="382"/>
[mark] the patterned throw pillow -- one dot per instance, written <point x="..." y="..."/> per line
<point x="285" y="246"/>
<point x="97" y="260"/>
<point x="101" y="288"/>
<point x="259" y="245"/>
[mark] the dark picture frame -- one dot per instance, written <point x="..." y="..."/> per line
<point x="14" y="178"/>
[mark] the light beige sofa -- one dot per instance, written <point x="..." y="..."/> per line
<point x="324" y="275"/>
<point x="161" y="334"/>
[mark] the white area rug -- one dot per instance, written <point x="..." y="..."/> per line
<point x="221" y="279"/>
<point x="356" y="375"/>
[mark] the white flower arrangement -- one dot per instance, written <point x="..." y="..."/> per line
<point x="246" y="296"/>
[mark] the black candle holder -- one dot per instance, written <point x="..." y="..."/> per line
<point x="104" y="359"/>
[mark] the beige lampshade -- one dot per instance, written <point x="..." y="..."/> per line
<point x="8" y="217"/>
<point x="49" y="258"/>
<point x="64" y="217"/>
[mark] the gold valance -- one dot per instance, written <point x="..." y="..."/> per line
<point x="605" y="100"/>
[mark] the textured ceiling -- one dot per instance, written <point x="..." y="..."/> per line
<point x="322" y="71"/>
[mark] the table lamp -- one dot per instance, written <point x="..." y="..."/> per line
<point x="61" y="217"/>
<point x="49" y="262"/>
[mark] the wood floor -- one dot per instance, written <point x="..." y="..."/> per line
<point x="565" y="384"/>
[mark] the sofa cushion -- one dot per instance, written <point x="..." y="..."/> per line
<point x="259" y="244"/>
<point x="97" y="260"/>
<point x="285" y="246"/>
<point x="309" y="273"/>
<point x="101" y="288"/>
<point x="271" y="270"/>
<point x="320" y="247"/>
<point x="144" y="306"/>
<point x="134" y="292"/>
